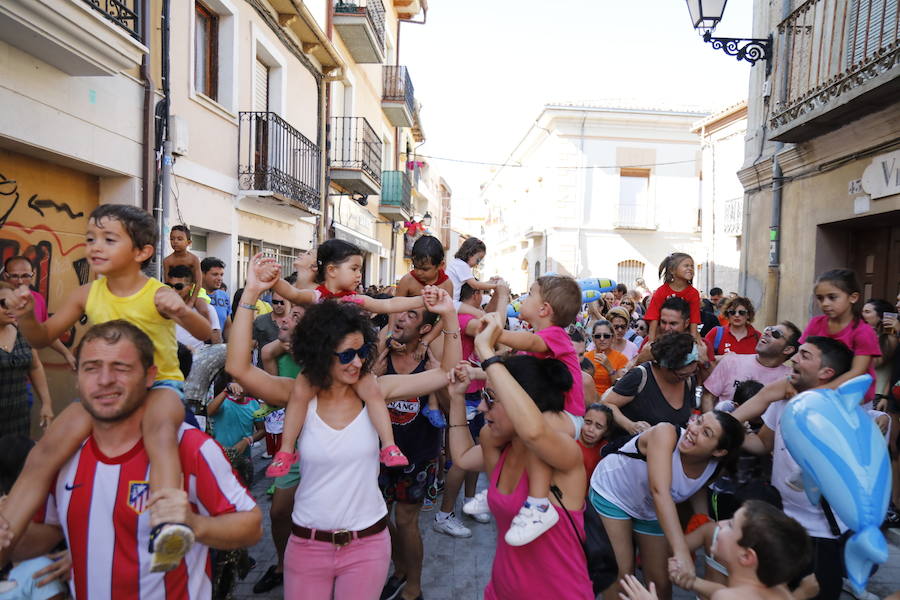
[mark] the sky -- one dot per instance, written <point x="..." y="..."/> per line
<point x="483" y="69"/>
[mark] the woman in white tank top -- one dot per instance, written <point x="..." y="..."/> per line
<point x="635" y="490"/>
<point x="339" y="545"/>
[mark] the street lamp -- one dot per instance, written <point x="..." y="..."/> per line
<point x="706" y="14"/>
<point x="426" y="220"/>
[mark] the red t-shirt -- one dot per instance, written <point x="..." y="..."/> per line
<point x="664" y="291"/>
<point x="591" y="456"/>
<point x="468" y="351"/>
<point x="729" y="344"/>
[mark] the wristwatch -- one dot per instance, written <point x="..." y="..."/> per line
<point x="489" y="361"/>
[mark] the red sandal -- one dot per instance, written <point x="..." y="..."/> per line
<point x="392" y="457"/>
<point x="281" y="464"/>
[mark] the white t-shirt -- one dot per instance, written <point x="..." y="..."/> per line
<point x="459" y="272"/>
<point x="734" y="368"/>
<point x="796" y="504"/>
<point x="192" y="343"/>
<point x="339" y="488"/>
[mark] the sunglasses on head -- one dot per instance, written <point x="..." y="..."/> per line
<point x="347" y="356"/>
<point x="775" y="333"/>
<point x="177" y="286"/>
<point x="488" y="397"/>
<point x="274" y="301"/>
<point x="740" y="312"/>
<point x="602" y="336"/>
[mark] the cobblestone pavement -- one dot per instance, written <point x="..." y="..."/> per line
<point x="458" y="569"/>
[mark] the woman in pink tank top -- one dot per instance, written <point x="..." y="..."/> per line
<point x="522" y="397"/>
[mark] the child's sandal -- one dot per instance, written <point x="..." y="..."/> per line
<point x="281" y="464"/>
<point x="392" y="457"/>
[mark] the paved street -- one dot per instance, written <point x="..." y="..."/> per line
<point x="458" y="569"/>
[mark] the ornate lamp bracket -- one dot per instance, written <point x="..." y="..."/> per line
<point x="749" y="49"/>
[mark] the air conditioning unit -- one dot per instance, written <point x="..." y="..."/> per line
<point x="178" y="134"/>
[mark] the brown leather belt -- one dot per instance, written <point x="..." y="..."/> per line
<point x="341" y="537"/>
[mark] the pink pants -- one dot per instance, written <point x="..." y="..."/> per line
<point x="314" y="570"/>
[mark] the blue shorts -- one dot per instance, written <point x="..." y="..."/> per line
<point x="611" y="511"/>
<point x="172" y="384"/>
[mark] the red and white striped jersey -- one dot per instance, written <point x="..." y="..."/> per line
<point x="101" y="504"/>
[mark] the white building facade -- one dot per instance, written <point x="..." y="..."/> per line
<point x="602" y="191"/>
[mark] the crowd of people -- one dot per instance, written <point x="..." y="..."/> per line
<point x="638" y="432"/>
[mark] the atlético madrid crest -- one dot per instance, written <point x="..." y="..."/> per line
<point x="138" y="495"/>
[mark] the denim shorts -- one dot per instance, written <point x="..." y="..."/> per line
<point x="172" y="384"/>
<point x="609" y="510"/>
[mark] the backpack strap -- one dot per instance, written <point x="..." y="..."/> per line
<point x="829" y="516"/>
<point x="643" y="383"/>
<point x="720" y="333"/>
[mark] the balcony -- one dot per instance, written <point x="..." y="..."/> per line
<point x="842" y="59"/>
<point x="83" y="38"/>
<point x="635" y="216"/>
<point x="277" y="160"/>
<point x="361" y="25"/>
<point x="355" y="155"/>
<point x="398" y="98"/>
<point x="418" y="132"/>
<point x="734" y="216"/>
<point x="396" y="196"/>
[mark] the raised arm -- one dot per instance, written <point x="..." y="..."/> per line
<point x="463" y="450"/>
<point x="41" y="335"/>
<point x="170" y="305"/>
<point x="289" y="292"/>
<point x="390" y="305"/>
<point x="254" y="380"/>
<point x="757" y="405"/>
<point x="522" y="340"/>
<point x="551" y="446"/>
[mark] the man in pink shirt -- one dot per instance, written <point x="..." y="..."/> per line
<point x="777" y="344"/>
<point x="18" y="270"/>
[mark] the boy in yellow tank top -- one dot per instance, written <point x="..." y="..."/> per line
<point x="120" y="240"/>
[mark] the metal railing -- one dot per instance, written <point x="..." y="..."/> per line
<point x="398" y="86"/>
<point x="373" y="11"/>
<point x="733" y="221"/>
<point x="124" y="13"/>
<point x="273" y="156"/>
<point x="355" y="145"/>
<point x="396" y="190"/>
<point x="635" y="216"/>
<point x="831" y="47"/>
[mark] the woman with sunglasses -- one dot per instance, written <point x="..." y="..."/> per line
<point x="738" y="336"/>
<point x="609" y="365"/>
<point x="635" y="491"/>
<point x="522" y="396"/>
<point x="19" y="364"/>
<point x="620" y="320"/>
<point x="659" y="391"/>
<point x="339" y="547"/>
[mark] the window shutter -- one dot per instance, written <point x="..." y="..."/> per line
<point x="261" y="86"/>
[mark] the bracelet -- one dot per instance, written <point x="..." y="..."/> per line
<point x="450" y="332"/>
<point x="490" y="361"/>
<point x="460" y="425"/>
<point x="248" y="306"/>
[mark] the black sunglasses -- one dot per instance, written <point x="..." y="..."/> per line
<point x="488" y="397"/>
<point x="617" y="327"/>
<point x="274" y="301"/>
<point x="740" y="313"/>
<point x="775" y="333"/>
<point x="177" y="286"/>
<point x="602" y="336"/>
<point x="347" y="356"/>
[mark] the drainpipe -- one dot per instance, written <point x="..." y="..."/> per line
<point x="161" y="207"/>
<point x="773" y="280"/>
<point x="148" y="162"/>
<point x="325" y="137"/>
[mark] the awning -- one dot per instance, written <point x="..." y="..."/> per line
<point x="365" y="243"/>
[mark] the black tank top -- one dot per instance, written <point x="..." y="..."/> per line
<point x="416" y="437"/>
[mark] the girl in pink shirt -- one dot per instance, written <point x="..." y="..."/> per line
<point x="838" y="294"/>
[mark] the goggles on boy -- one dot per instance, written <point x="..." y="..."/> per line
<point x="346" y="357"/>
<point x="774" y="332"/>
<point x="740" y="312"/>
<point x="602" y="336"/>
<point x="177" y="286"/>
<point x="488" y="397"/>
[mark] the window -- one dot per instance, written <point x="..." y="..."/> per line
<point x="628" y="271"/>
<point x="206" y="52"/>
<point x="634" y="205"/>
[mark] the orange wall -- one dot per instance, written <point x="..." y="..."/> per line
<point x="43" y="215"/>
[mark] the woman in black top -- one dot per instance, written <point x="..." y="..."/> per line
<point x="659" y="391"/>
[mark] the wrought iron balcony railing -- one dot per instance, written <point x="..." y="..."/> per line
<point x="832" y="50"/>
<point x="734" y="216"/>
<point x="275" y="157"/>
<point x="396" y="191"/>
<point x="398" y="86"/>
<point x="124" y="13"/>
<point x="355" y="145"/>
<point x="372" y="9"/>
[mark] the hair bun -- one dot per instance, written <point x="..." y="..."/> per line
<point x="556" y="373"/>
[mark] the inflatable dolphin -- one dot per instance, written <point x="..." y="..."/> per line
<point x="512" y="309"/>
<point x="597" y="285"/>
<point x="844" y="457"/>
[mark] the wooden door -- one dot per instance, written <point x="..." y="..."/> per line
<point x="869" y="257"/>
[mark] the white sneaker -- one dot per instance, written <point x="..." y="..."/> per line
<point x="529" y="524"/>
<point x="478" y="505"/>
<point x="451" y="526"/>
<point x="481" y="517"/>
